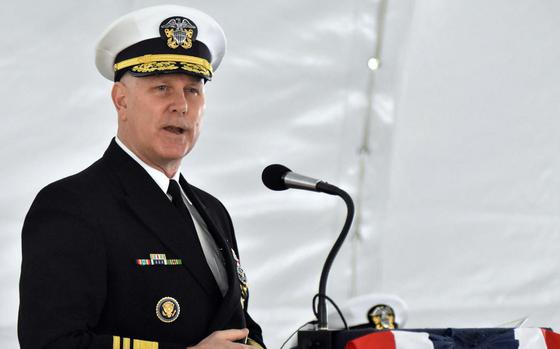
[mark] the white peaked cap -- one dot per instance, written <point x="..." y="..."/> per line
<point x="142" y="46"/>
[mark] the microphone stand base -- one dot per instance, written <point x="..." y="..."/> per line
<point x="330" y="339"/>
<point x="317" y="339"/>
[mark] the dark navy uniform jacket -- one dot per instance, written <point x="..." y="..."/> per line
<point x="81" y="284"/>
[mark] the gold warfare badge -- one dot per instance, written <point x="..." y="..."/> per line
<point x="178" y="31"/>
<point x="168" y="309"/>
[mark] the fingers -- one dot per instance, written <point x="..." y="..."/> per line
<point x="224" y="339"/>
<point x="232" y="335"/>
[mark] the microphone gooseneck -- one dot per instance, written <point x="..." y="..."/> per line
<point x="322" y="307"/>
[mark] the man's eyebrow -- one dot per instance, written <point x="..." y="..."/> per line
<point x="195" y="80"/>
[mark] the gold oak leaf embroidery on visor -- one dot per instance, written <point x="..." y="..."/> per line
<point x="155" y="66"/>
<point x="195" y="68"/>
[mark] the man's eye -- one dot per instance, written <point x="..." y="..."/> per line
<point x="192" y="90"/>
<point x="162" y="88"/>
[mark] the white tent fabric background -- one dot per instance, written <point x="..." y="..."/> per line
<point x="450" y="149"/>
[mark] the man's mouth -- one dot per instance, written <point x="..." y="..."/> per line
<point x="175" y="129"/>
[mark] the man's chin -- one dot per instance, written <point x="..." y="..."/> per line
<point x="173" y="155"/>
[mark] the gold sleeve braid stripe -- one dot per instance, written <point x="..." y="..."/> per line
<point x="162" y="58"/>
<point x="136" y="344"/>
<point x="254" y="343"/>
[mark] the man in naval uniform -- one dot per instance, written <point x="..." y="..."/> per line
<point x="127" y="254"/>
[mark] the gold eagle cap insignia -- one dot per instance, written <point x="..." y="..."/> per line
<point x="178" y="32"/>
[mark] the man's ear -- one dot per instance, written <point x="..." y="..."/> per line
<point x="119" y="97"/>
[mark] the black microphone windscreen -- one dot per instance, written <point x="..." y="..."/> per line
<point x="273" y="177"/>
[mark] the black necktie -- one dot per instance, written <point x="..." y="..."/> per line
<point x="177" y="200"/>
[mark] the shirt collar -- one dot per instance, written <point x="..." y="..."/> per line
<point x="159" y="177"/>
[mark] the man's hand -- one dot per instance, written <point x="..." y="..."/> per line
<point x="224" y="340"/>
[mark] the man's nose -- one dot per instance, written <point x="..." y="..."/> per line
<point x="179" y="104"/>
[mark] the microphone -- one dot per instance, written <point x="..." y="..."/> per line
<point x="279" y="177"/>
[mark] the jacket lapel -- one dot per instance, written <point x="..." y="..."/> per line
<point x="232" y="299"/>
<point x="154" y="209"/>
